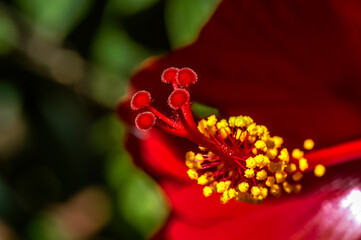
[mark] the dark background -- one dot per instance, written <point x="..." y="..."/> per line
<point x="64" y="173"/>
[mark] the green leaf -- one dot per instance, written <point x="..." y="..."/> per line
<point x="201" y="110"/>
<point x="8" y="33"/>
<point x="113" y="49"/>
<point x="142" y="205"/>
<point x="117" y="55"/>
<point x="185" y="18"/>
<point x="55" y="17"/>
<point x="129" y="7"/>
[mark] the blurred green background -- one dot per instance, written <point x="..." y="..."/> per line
<point x="64" y="173"/>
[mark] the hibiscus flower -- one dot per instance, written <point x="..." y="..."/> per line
<point x="293" y="66"/>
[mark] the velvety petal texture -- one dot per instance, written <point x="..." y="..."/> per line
<point x="294" y="66"/>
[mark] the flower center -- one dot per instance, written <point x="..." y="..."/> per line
<point x="239" y="159"/>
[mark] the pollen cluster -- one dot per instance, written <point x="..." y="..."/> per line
<point x="254" y="166"/>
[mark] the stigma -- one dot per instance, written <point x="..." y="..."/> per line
<point x="238" y="158"/>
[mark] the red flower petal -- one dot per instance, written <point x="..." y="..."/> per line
<point x="294" y="66"/>
<point x="151" y="151"/>
<point x="310" y="215"/>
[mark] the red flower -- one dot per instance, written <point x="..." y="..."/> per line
<point x="294" y="66"/>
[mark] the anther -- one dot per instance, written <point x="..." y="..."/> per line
<point x="169" y="75"/>
<point x="186" y="77"/>
<point x="178" y="98"/>
<point x="140" y="100"/>
<point x="145" y="120"/>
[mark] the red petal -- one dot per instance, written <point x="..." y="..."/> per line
<point x="293" y="66"/>
<point x="349" y="151"/>
<point x="151" y="151"/>
<point x="328" y="210"/>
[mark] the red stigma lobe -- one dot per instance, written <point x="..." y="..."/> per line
<point x="186" y="77"/>
<point x="140" y="100"/>
<point x="178" y="98"/>
<point x="145" y="120"/>
<point x="169" y="75"/>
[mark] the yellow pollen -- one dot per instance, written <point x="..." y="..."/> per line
<point x="276" y="166"/>
<point x="252" y="139"/>
<point x="308" y="144"/>
<point x="192" y="174"/>
<point x="267" y="168"/>
<point x="222" y="124"/>
<point x="260" y="145"/>
<point x="223" y="186"/>
<point x="287" y="187"/>
<point x="190" y="156"/>
<point x="264" y="192"/>
<point x="270" y="181"/>
<point x="269" y="143"/>
<point x="241" y="196"/>
<point x="232" y="121"/>
<point x="249" y="173"/>
<point x="280" y="177"/>
<point x="213" y="186"/>
<point x="250" y="162"/>
<point x="224" y="132"/>
<point x="207" y="191"/>
<point x="272" y="153"/>
<point x="303" y="164"/>
<point x="241" y="121"/>
<point x="278" y="141"/>
<point x="275" y="190"/>
<point x="252" y="129"/>
<point x="203" y="180"/>
<point x="191" y="160"/>
<point x="223" y="128"/>
<point x="238" y="133"/>
<point x="255" y="191"/>
<point x="194" y="165"/>
<point x="291" y="168"/>
<point x="248" y="120"/>
<point x="224" y="198"/>
<point x="212" y="120"/>
<point x="263" y="132"/>
<point x="297" y="153"/>
<point x="261" y="160"/>
<point x="284" y="156"/>
<point x="243" y="187"/>
<point x="297" y="176"/>
<point x="261" y="175"/>
<point x="297" y="188"/>
<point x="231" y="193"/>
<point x="319" y="170"/>
<point x="202" y="126"/>
<point x="198" y="157"/>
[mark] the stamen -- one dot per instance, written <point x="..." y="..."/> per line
<point x="319" y="170"/>
<point x="240" y="158"/>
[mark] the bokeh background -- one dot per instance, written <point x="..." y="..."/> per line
<point x="64" y="172"/>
